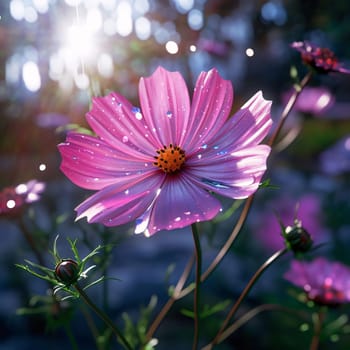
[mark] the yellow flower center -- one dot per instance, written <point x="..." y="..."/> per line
<point x="170" y="158"/>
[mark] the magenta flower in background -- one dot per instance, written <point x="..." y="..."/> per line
<point x="314" y="100"/>
<point x="286" y="209"/>
<point x="324" y="282"/>
<point x="321" y="59"/>
<point x="12" y="199"/>
<point x="336" y="159"/>
<point x="159" y="164"/>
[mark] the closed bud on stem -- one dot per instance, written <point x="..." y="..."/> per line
<point x="67" y="271"/>
<point x="297" y="238"/>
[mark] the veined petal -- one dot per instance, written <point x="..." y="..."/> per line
<point x="248" y="127"/>
<point x="121" y="125"/>
<point x="235" y="175"/>
<point x="165" y="105"/>
<point x="91" y="163"/>
<point x="211" y="106"/>
<point x="180" y="203"/>
<point x="122" y="202"/>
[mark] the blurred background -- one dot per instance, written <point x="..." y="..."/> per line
<point x="56" y="54"/>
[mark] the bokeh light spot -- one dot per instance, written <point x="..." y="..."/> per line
<point x="249" y="52"/>
<point x="105" y="65"/>
<point x="10" y="204"/>
<point x="172" y="47"/>
<point x="17" y="9"/>
<point x="42" y="167"/>
<point x="143" y="28"/>
<point x="31" y="76"/>
<point x="195" y="19"/>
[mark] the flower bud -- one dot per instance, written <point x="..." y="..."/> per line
<point x="297" y="238"/>
<point x="67" y="271"/>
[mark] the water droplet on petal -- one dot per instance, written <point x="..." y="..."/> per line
<point x="216" y="184"/>
<point x="137" y="112"/>
<point x="126" y="192"/>
<point x="205" y="146"/>
<point x="125" y="139"/>
<point x="199" y="156"/>
<point x="177" y="219"/>
<point x="187" y="213"/>
<point x="169" y="114"/>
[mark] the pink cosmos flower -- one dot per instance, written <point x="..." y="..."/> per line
<point x="321" y="59"/>
<point x="159" y="164"/>
<point x="325" y="282"/>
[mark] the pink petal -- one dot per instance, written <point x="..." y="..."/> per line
<point x="211" y="106"/>
<point x="91" y="163"/>
<point x="180" y="203"/>
<point x="123" y="202"/>
<point x="121" y="125"/>
<point x="235" y="175"/>
<point x="165" y="105"/>
<point x="248" y="127"/>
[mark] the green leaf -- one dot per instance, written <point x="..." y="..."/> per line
<point x="208" y="310"/>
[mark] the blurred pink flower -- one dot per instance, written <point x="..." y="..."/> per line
<point x="306" y="209"/>
<point x="321" y="59"/>
<point x="12" y="199"/>
<point x="158" y="165"/>
<point x="315" y="100"/>
<point x="214" y="47"/>
<point x="324" y="282"/>
<point x="336" y="159"/>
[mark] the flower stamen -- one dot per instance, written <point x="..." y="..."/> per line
<point x="170" y="158"/>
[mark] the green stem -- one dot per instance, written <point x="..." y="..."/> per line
<point x="251" y="314"/>
<point x="245" y="292"/>
<point x="29" y="238"/>
<point x="288" y="108"/>
<point x="70" y="335"/>
<point x="318" y="324"/>
<point x="197" y="285"/>
<point x="103" y="316"/>
<point x="175" y="296"/>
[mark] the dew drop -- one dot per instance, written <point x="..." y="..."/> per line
<point x="216" y="184"/>
<point x="126" y="192"/>
<point x="137" y="112"/>
<point x="199" y="156"/>
<point x="125" y="139"/>
<point x="169" y="114"/>
<point x="205" y="146"/>
<point x="187" y="213"/>
<point x="177" y="219"/>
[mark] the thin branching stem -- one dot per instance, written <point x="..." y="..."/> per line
<point x="175" y="296"/>
<point x="104" y="317"/>
<point x="245" y="292"/>
<point x="318" y="324"/>
<point x="253" y="313"/>
<point x="289" y="106"/>
<point x="196" y="303"/>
